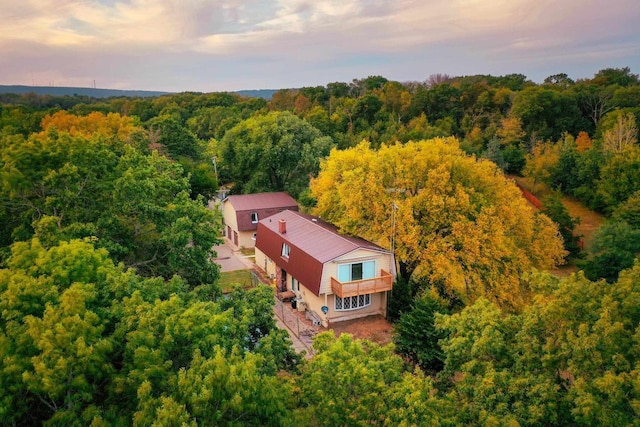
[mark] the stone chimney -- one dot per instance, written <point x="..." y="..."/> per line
<point x="282" y="226"/>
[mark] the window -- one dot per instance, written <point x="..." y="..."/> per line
<point x="293" y="284"/>
<point x="285" y="250"/>
<point x="254" y="217"/>
<point x="352" y="303"/>
<point x="356" y="271"/>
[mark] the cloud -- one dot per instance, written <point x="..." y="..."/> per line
<point x="310" y="36"/>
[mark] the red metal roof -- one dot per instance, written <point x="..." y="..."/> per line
<point x="313" y="242"/>
<point x="245" y="202"/>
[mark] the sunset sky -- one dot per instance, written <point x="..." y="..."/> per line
<point x="210" y="45"/>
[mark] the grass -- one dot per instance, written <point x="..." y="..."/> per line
<point x="230" y="278"/>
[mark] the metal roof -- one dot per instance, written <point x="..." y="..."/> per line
<point x="316" y="237"/>
<point x="246" y="202"/>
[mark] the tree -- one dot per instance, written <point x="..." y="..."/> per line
<point x="568" y="359"/>
<point x="619" y="178"/>
<point x="547" y="113"/>
<point x="615" y="76"/>
<point x="558" y="212"/>
<point x="459" y="223"/>
<point x="623" y="135"/>
<point x="137" y="206"/>
<point x="510" y="131"/>
<point x="494" y="153"/>
<point x="629" y="211"/>
<point x="275" y="152"/>
<point x="560" y="79"/>
<point x="615" y="246"/>
<point x="416" y="335"/>
<point x="86" y="342"/>
<point x="583" y="141"/>
<point x="541" y="162"/>
<point x="345" y="382"/>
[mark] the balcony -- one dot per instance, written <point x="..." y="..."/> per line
<point x="361" y="287"/>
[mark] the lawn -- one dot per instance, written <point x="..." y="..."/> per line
<point x="229" y="278"/>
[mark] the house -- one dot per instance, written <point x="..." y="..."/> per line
<point x="242" y="212"/>
<point x="333" y="276"/>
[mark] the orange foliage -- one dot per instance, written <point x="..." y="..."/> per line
<point x="583" y="141"/>
<point x="112" y="124"/>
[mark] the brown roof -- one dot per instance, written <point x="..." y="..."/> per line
<point x="312" y="243"/>
<point x="245" y="202"/>
<point x="264" y="204"/>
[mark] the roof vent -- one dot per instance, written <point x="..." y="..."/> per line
<point x="282" y="226"/>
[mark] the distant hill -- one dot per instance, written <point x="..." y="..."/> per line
<point x="80" y="91"/>
<point x="109" y="93"/>
<point x="258" y="93"/>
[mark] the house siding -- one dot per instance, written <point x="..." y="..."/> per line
<point x="240" y="228"/>
<point x="300" y="265"/>
<point x="383" y="262"/>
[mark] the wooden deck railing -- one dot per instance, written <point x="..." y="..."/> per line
<point x="361" y="287"/>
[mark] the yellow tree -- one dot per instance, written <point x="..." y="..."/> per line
<point x="510" y="131"/>
<point x="543" y="158"/>
<point x="453" y="220"/>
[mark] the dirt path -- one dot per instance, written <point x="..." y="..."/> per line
<point x="590" y="221"/>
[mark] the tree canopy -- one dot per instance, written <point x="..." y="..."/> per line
<point x="452" y="219"/>
<point x="274" y="152"/>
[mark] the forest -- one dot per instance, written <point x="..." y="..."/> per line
<point x="110" y="307"/>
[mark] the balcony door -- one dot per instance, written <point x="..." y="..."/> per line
<point x="356" y="271"/>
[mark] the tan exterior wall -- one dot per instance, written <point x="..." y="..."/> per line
<point x="229" y="215"/>
<point x="383" y="261"/>
<point x="266" y="264"/>
<point x="314" y="303"/>
<point x="245" y="239"/>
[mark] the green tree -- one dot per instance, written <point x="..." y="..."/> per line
<point x="619" y="178"/>
<point x="138" y="206"/>
<point x="558" y="212"/>
<point x="629" y="211"/>
<point x="416" y="335"/>
<point x="615" y="245"/>
<point x="274" y="152"/>
<point x="547" y="113"/>
<point x="86" y="342"/>
<point x="616" y="76"/>
<point x="345" y="382"/>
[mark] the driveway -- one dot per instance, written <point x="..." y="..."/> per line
<point x="229" y="259"/>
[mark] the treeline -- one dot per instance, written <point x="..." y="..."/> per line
<point x="110" y="312"/>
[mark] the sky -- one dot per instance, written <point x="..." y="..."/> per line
<point x="229" y="45"/>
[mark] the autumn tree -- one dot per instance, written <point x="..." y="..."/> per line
<point x="623" y="135"/>
<point x="459" y="223"/>
<point x="106" y="125"/>
<point x="541" y="161"/>
<point x="583" y="141"/>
